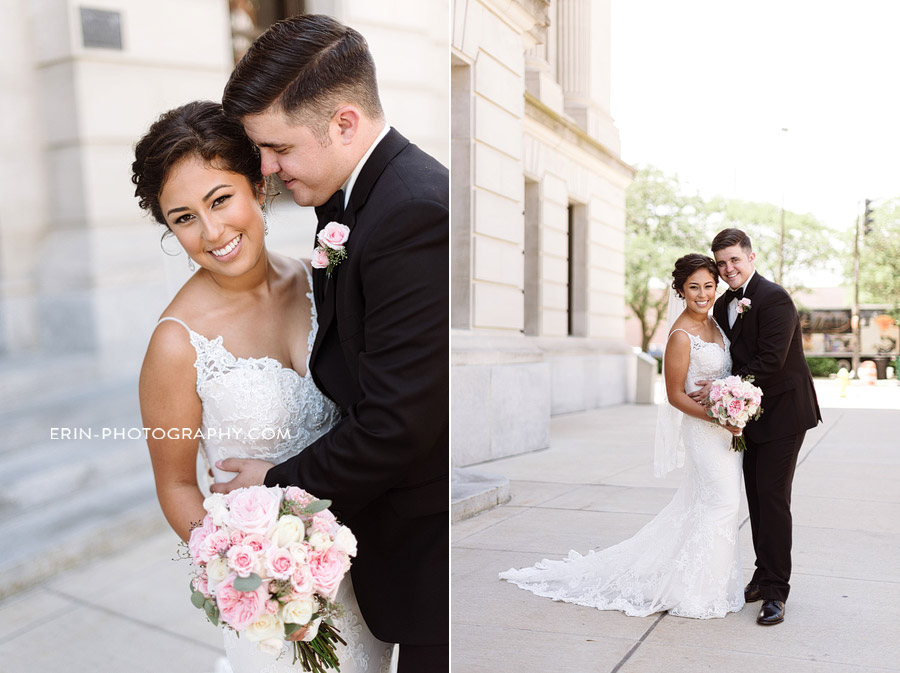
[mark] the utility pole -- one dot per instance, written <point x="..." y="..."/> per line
<point x="868" y="223"/>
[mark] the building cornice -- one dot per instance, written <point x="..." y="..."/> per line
<point x="572" y="133"/>
<point x="530" y="18"/>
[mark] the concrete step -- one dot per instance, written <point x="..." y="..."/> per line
<point x="63" y="499"/>
<point x="472" y="492"/>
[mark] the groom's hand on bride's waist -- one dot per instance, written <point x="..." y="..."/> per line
<point x="702" y="394"/>
<point x="249" y="473"/>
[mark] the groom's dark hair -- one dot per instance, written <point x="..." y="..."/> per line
<point x="728" y="237"/>
<point x="304" y="66"/>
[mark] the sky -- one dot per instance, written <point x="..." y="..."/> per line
<point x="703" y="88"/>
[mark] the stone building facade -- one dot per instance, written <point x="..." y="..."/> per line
<point x="538" y="223"/>
<point x="81" y="270"/>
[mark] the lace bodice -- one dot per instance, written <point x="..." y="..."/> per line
<point x="255" y="407"/>
<point x="709" y="361"/>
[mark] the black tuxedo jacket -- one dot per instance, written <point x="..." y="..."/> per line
<point x="766" y="343"/>
<point x="382" y="354"/>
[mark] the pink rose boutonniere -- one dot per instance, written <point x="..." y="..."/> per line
<point x="331" y="251"/>
<point x="743" y="306"/>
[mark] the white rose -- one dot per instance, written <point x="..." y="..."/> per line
<point x="288" y="529"/>
<point x="217" y="570"/>
<point x="271" y="646"/>
<point x="299" y="552"/>
<point x="218" y="510"/>
<point x="320" y="541"/>
<point x="264" y="627"/>
<point x="298" y="612"/>
<point x="345" y="541"/>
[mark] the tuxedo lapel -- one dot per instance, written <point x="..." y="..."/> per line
<point x="720" y="313"/>
<point x="389" y="147"/>
<point x="741" y="317"/>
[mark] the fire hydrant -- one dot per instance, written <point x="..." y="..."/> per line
<point x="844" y="379"/>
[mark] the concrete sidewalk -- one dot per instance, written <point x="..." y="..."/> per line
<point x="594" y="487"/>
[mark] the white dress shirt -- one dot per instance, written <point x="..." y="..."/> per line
<point x="348" y="186"/>
<point x="732" y="305"/>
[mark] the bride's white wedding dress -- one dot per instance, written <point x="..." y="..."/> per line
<point x="687" y="559"/>
<point x="256" y="408"/>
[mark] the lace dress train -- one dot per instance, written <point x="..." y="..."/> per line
<point x="686" y="560"/>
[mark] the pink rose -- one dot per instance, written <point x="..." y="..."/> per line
<point x="237" y="537"/>
<point x="297" y="494"/>
<point x="735" y="407"/>
<point x="280" y="563"/>
<point x="320" y="258"/>
<point x="328" y="569"/>
<point x="243" y="560"/>
<point x="324" y="522"/>
<point x="198" y="537"/>
<point x="272" y="607"/>
<point x="255" y="509"/>
<point x="216" y="543"/>
<point x="302" y="584"/>
<point x="240" y="608"/>
<point x="256" y="542"/>
<point x="715" y="393"/>
<point x="334" y="235"/>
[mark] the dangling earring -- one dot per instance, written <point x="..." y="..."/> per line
<point x="191" y="265"/>
<point x="266" y="222"/>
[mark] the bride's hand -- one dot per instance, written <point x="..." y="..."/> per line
<point x="737" y="432"/>
<point x="249" y="473"/>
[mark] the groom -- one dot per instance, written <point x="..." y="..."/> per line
<point x="307" y="96"/>
<point x="764" y="328"/>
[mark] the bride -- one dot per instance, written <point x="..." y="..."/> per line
<point x="687" y="559"/>
<point x="230" y="355"/>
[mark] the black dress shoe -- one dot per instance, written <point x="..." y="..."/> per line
<point x="752" y="593"/>
<point x="772" y="612"/>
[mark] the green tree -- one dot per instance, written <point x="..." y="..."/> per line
<point x="661" y="225"/>
<point x="808" y="244"/>
<point x="879" y="257"/>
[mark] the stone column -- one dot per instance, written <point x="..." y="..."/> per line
<point x="574" y="51"/>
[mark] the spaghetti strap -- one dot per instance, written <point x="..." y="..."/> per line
<point x="168" y="317"/>
<point x="678" y="329"/>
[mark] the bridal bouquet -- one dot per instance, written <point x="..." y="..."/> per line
<point x="269" y="562"/>
<point x="734" y="401"/>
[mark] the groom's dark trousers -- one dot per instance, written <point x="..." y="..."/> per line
<point x="766" y="343"/>
<point x="382" y="354"/>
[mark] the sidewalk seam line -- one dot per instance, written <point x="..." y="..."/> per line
<point x="634" y="648"/>
<point x="100" y="608"/>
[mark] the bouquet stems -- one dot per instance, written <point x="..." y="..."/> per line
<point x="318" y="654"/>
<point x="738" y="444"/>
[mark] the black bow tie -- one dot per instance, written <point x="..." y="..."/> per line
<point x="734" y="294"/>
<point x="332" y="210"/>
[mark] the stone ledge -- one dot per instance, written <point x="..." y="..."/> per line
<point x="473" y="492"/>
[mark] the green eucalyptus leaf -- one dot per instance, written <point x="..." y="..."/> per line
<point x="249" y="583"/>
<point x="212" y="611"/>
<point x="198" y="599"/>
<point x="317" y="506"/>
<point x="291" y="628"/>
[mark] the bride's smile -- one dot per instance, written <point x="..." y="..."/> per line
<point x="216" y="216"/>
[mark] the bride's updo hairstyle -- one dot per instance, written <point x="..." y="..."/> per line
<point x="686" y="266"/>
<point x="198" y="129"/>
